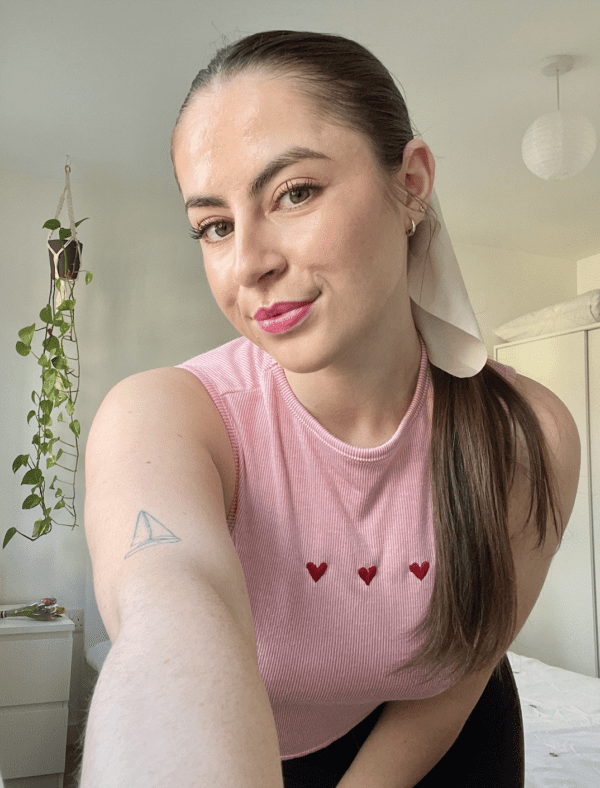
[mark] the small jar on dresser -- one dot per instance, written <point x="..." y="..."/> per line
<point x="35" y="674"/>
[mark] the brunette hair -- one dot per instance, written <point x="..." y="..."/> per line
<point x="472" y="613"/>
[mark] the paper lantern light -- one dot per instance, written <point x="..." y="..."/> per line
<point x="559" y="144"/>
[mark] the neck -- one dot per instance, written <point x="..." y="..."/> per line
<point x="362" y="399"/>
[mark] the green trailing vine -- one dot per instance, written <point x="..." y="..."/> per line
<point x="53" y="402"/>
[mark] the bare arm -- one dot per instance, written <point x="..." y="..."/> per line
<point x="410" y="737"/>
<point x="181" y="704"/>
<point x="180" y="701"/>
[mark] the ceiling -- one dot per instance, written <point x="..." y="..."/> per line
<point x="103" y="80"/>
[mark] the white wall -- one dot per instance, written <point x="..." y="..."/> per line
<point x="149" y="305"/>
<point x="504" y="284"/>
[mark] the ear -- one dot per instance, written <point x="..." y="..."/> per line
<point x="417" y="175"/>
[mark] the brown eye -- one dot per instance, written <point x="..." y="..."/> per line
<point x="218" y="225"/>
<point x="299" y="191"/>
<point x="201" y="232"/>
<point x="304" y="190"/>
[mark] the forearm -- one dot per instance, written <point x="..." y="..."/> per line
<point x="183" y="706"/>
<point x="410" y="737"/>
<point x="405" y="744"/>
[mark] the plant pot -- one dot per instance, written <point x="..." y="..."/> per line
<point x="70" y="268"/>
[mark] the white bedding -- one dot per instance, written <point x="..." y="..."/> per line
<point x="580" y="311"/>
<point x="561" y="720"/>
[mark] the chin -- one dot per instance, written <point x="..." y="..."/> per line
<point x="301" y="353"/>
<point x="302" y="358"/>
<point x="298" y="368"/>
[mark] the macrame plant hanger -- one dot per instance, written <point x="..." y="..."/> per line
<point x="55" y="255"/>
<point x="63" y="286"/>
<point x="59" y="385"/>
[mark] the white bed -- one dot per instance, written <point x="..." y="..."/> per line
<point x="561" y="719"/>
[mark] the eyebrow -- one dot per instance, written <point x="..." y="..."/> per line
<point x="290" y="156"/>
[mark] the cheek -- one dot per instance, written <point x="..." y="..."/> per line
<point x="343" y="245"/>
<point x="220" y="285"/>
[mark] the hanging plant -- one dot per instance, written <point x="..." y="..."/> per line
<point x="51" y="466"/>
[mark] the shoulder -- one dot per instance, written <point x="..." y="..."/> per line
<point x="561" y="435"/>
<point x="563" y="445"/>
<point x="166" y="395"/>
<point x="532" y="561"/>
<point x="167" y="407"/>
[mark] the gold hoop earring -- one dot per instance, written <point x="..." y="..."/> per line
<point x="414" y="227"/>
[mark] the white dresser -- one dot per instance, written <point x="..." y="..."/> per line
<point x="563" y="628"/>
<point x="35" y="673"/>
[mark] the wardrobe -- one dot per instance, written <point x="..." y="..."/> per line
<point x="563" y="628"/>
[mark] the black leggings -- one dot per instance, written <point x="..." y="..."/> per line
<point x="488" y="753"/>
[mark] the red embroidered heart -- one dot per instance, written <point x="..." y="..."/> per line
<point x="314" y="572"/>
<point x="367" y="576"/>
<point x="420" y="571"/>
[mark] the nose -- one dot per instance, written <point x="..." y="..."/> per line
<point x="258" y="256"/>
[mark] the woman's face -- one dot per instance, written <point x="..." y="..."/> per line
<point x="317" y="230"/>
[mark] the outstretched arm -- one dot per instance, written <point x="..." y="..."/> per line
<point x="179" y="702"/>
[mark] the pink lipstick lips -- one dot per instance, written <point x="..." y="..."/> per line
<point x="282" y="316"/>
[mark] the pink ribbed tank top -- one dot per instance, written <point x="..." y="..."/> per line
<point x="336" y="543"/>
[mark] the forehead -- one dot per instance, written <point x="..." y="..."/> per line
<point x="230" y="129"/>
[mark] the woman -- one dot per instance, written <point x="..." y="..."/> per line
<point x="393" y="497"/>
